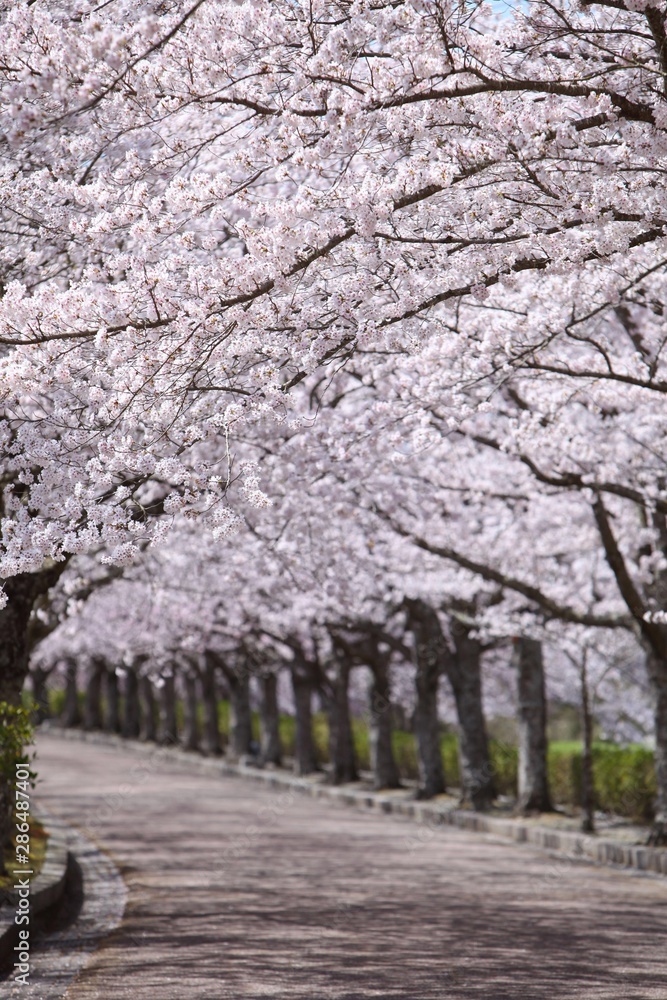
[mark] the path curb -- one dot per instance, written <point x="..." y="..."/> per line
<point x="45" y="890"/>
<point x="574" y="846"/>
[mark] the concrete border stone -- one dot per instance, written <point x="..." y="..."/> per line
<point x="60" y="955"/>
<point x="46" y="888"/>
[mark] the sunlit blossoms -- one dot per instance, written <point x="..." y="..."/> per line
<point x="373" y="290"/>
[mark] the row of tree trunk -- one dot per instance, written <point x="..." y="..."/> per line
<point x="137" y="708"/>
<point x="457" y="659"/>
<point x="150" y="716"/>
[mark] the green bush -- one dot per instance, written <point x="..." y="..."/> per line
<point x="505" y="761"/>
<point x="405" y="753"/>
<point x="362" y="743"/>
<point x="623" y="778"/>
<point x="223" y="717"/>
<point x="56" y="702"/>
<point x="287" y="730"/>
<point x="16" y="734"/>
<point x="625" y="781"/>
<point x="449" y="750"/>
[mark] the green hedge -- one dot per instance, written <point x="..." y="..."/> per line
<point x="624" y="777"/>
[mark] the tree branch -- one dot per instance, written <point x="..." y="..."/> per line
<point x="552" y="608"/>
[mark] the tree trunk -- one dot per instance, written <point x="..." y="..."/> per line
<point x="270" y="721"/>
<point x="464" y="672"/>
<point x="428" y="650"/>
<point x="131" y="716"/>
<point x="168" y="722"/>
<point x="209" y="695"/>
<point x="383" y="764"/>
<point x="92" y="705"/>
<point x="22" y="592"/>
<point x="587" y="788"/>
<point x="240" y="714"/>
<point x="341" y="743"/>
<point x="304" y="751"/>
<point x="112" y="716"/>
<point x="657" y="667"/>
<point x="654" y="636"/>
<point x="40" y="694"/>
<point x="71" y="713"/>
<point x="190" y="726"/>
<point x="148" y="729"/>
<point x="534" y="793"/>
<point x="427" y="730"/>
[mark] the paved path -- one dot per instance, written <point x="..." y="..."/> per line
<point x="240" y="893"/>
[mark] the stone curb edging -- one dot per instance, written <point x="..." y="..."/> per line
<point x="45" y="890"/>
<point x="575" y="846"/>
<point x="59" y="957"/>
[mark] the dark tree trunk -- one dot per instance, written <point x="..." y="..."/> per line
<point x="148" y="729"/>
<point x="22" y="591"/>
<point x="132" y="713"/>
<point x="428" y="650"/>
<point x="587" y="787"/>
<point x="385" y="770"/>
<point x="534" y="793"/>
<point x="270" y="721"/>
<point x="40" y="694"/>
<point x="209" y="695"/>
<point x="657" y="667"/>
<point x="168" y="723"/>
<point x="304" y="751"/>
<point x="240" y="714"/>
<point x="71" y="713"/>
<point x="654" y="636"/>
<point x="112" y="695"/>
<point x="92" y="704"/>
<point x="190" y="724"/>
<point x="464" y="672"/>
<point x="341" y="743"/>
<point x="427" y="731"/>
<point x="399" y="717"/>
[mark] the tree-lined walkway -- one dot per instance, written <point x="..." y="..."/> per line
<point x="239" y="892"/>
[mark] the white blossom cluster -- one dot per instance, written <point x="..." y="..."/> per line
<point x="370" y="294"/>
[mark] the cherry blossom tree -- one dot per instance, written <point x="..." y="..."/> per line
<point x="196" y="216"/>
<point x="212" y="209"/>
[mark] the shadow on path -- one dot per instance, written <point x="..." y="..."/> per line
<point x="240" y="893"/>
